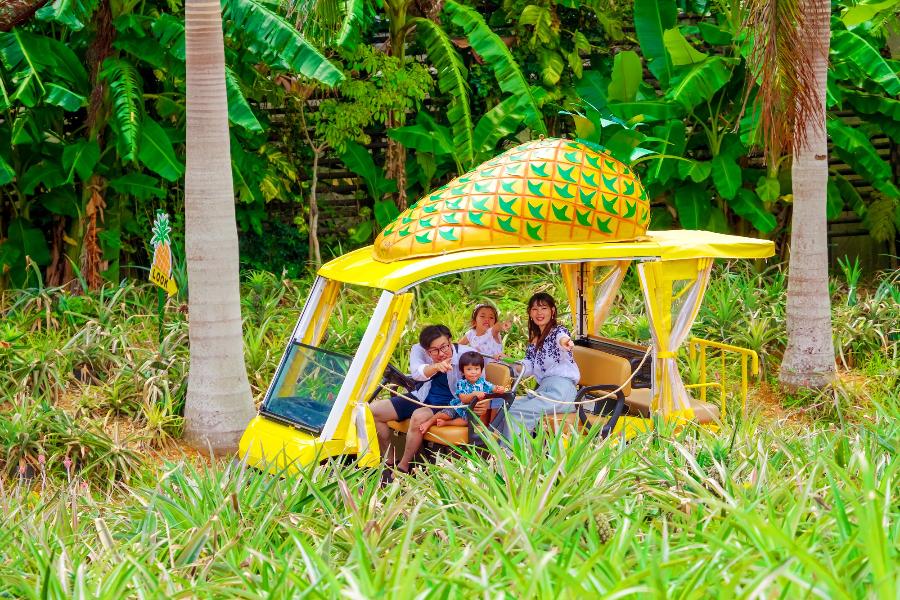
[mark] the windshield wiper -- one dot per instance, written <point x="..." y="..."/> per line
<point x="292" y="420"/>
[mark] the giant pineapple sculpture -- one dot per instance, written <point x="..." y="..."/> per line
<point x="548" y="191"/>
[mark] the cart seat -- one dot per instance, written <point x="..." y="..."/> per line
<point x="704" y="412"/>
<point x="454" y="435"/>
<point x="598" y="367"/>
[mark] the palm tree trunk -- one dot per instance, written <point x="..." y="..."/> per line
<point x="219" y="404"/>
<point x="809" y="357"/>
<point x="16" y="12"/>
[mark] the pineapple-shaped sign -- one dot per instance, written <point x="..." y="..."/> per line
<point x="548" y="191"/>
<point x="161" y="270"/>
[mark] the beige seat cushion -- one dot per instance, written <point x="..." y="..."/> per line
<point x="453" y="435"/>
<point x="639" y="403"/>
<point x="498" y="374"/>
<point x="601" y="368"/>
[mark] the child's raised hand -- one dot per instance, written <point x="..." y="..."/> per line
<point x="567" y="344"/>
<point x="502" y="325"/>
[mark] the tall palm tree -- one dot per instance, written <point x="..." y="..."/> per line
<point x="219" y="404"/>
<point x="790" y="62"/>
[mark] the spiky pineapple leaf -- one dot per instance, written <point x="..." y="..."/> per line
<point x="452" y="82"/>
<point x="73" y="14"/>
<point x="128" y="99"/>
<point x="495" y="54"/>
<point x="272" y="37"/>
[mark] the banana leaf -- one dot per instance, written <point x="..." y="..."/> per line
<point x="239" y="111"/>
<point x="66" y="99"/>
<point x="156" y="152"/>
<point x="693" y="205"/>
<point x="674" y="140"/>
<point x="646" y="110"/>
<point x="73" y="14"/>
<point x="451" y="76"/>
<point x="651" y="20"/>
<point x="872" y="104"/>
<point x="354" y="12"/>
<point x="7" y="174"/>
<point x="425" y="136"/>
<point x="700" y="82"/>
<point x="855" y="149"/>
<point x="139" y="185"/>
<point x="269" y="35"/>
<point x="358" y="160"/>
<point x="627" y="75"/>
<point x="497" y="56"/>
<point x="80" y="158"/>
<point x="680" y="50"/>
<point x="868" y="62"/>
<point x="502" y="120"/>
<point x="746" y="204"/>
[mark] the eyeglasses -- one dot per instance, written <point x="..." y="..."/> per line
<point x="438" y="351"/>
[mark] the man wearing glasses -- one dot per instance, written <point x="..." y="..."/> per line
<point x="434" y="360"/>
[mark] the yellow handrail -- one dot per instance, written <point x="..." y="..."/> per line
<point x="745" y="353"/>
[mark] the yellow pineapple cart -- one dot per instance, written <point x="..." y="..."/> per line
<point x="550" y="201"/>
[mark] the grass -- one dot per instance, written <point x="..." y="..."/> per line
<point x="798" y="498"/>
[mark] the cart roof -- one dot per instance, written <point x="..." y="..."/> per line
<point x="360" y="267"/>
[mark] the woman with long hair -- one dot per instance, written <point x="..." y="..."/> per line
<point x="549" y="359"/>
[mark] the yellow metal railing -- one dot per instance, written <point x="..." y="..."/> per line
<point x="745" y="354"/>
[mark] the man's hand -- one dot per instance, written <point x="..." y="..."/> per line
<point x="442" y="367"/>
<point x="481" y="407"/>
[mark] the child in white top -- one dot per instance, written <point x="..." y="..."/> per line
<point x="484" y="335"/>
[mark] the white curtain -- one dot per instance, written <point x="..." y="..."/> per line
<point x="606" y="290"/>
<point x="599" y="283"/>
<point x="671" y="315"/>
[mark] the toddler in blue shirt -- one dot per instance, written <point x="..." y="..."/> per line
<point x="470" y="388"/>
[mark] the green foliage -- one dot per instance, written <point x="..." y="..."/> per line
<point x="493" y="50"/>
<point x="270" y="36"/>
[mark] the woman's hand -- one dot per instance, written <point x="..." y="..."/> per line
<point x="566" y="343"/>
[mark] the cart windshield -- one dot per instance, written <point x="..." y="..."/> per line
<point x="306" y="386"/>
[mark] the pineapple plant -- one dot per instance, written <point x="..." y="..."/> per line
<point x="547" y="191"/>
